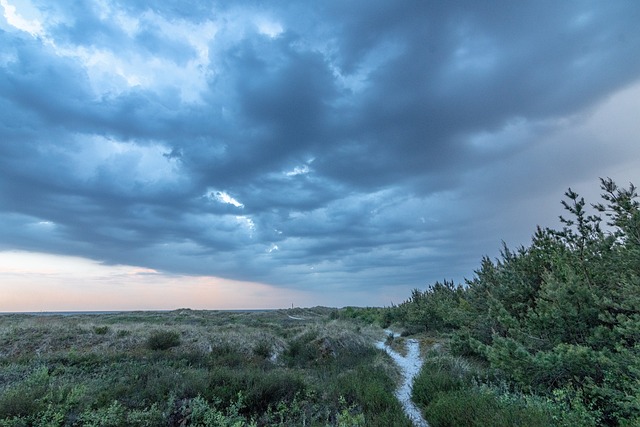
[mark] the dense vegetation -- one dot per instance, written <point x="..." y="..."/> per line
<point x="552" y="329"/>
<point x="192" y="368"/>
<point x="546" y="335"/>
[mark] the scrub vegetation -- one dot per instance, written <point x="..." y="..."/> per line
<point x="547" y="335"/>
<point x="194" y="368"/>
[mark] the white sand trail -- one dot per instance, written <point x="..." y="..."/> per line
<point x="410" y="367"/>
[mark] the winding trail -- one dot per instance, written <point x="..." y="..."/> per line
<point x="410" y="367"/>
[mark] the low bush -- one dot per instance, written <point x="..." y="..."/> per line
<point x="302" y="351"/>
<point x="263" y="349"/>
<point x="437" y="376"/>
<point x="116" y="415"/>
<point x="25" y="398"/>
<point x="373" y="389"/>
<point x="450" y="394"/>
<point x="101" y="330"/>
<point x="198" y="412"/>
<point x="163" y="340"/>
<point x="467" y="408"/>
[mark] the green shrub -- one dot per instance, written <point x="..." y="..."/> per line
<point x="25" y="398"/>
<point x="101" y="330"/>
<point x="349" y="416"/>
<point x="464" y="408"/>
<point x="148" y="417"/>
<point x="373" y="390"/>
<point x="112" y="416"/>
<point x="263" y="349"/>
<point x="302" y="351"/>
<point x="123" y="333"/>
<point x="268" y="388"/>
<point x="19" y="401"/>
<point x="15" y="422"/>
<point x="204" y="414"/>
<point x="116" y="415"/>
<point x="476" y="407"/>
<point x="226" y="355"/>
<point x="261" y="389"/>
<point x="432" y="381"/>
<point x="163" y="340"/>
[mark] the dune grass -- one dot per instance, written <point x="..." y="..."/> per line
<point x="194" y="368"/>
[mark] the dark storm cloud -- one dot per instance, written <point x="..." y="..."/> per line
<point x="300" y="145"/>
<point x="474" y="68"/>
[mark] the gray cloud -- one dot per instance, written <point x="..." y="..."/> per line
<point x="362" y="145"/>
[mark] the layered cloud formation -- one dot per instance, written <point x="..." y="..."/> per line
<point x="324" y="145"/>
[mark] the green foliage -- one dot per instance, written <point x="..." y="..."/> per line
<point x="349" y="416"/>
<point x="101" y="330"/>
<point x="302" y="350"/>
<point x="317" y="373"/>
<point x="113" y="415"/>
<point x="163" y="340"/>
<point x="448" y="390"/>
<point x="438" y="375"/>
<point x="439" y="308"/>
<point x="560" y="317"/>
<point x="25" y="398"/>
<point x="116" y="414"/>
<point x="366" y="315"/>
<point x="263" y="348"/>
<point x="374" y="390"/>
<point x="477" y="407"/>
<point x="198" y="412"/>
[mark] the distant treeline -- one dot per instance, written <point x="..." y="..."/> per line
<point x="560" y="318"/>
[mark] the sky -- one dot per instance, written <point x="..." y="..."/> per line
<point x="263" y="154"/>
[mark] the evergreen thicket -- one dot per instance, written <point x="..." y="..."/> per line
<point x="560" y="318"/>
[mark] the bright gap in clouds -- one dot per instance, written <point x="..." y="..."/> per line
<point x="224" y="197"/>
<point x="269" y="27"/>
<point x="17" y="20"/>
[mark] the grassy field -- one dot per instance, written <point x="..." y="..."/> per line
<point x="195" y="368"/>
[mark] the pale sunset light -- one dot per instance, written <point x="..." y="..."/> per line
<point x="34" y="282"/>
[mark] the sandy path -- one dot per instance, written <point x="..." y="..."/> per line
<point x="410" y="367"/>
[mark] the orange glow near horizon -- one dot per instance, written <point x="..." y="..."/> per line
<point x="34" y="282"/>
